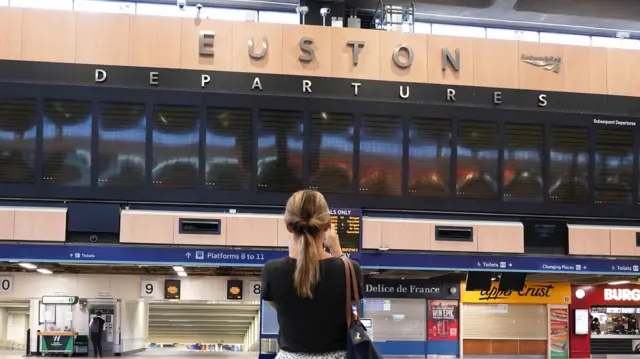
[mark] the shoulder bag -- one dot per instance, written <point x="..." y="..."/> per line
<point x="359" y="344"/>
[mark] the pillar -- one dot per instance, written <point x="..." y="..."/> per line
<point x="4" y="323"/>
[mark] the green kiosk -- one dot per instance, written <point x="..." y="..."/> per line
<point x="57" y="342"/>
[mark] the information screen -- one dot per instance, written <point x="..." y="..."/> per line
<point x="348" y="224"/>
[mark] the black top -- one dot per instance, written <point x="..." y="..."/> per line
<point x="315" y="325"/>
<point x="101" y="321"/>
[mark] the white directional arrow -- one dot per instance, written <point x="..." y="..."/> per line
<point x="188" y="255"/>
<point x="71" y="255"/>
<point x="479" y="265"/>
<point x="510" y="265"/>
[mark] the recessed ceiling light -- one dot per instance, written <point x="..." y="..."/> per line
<point x="182" y="274"/>
<point x="44" y="271"/>
<point x="178" y="268"/>
<point x="28" y="265"/>
<point x="620" y="282"/>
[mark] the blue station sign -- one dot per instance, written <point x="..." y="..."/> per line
<point x="127" y="254"/>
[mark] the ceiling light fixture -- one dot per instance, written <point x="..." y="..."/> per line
<point x="620" y="282"/>
<point x="178" y="268"/>
<point x="182" y="274"/>
<point x="28" y="266"/>
<point x="44" y="271"/>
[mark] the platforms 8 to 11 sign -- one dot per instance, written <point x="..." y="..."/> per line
<point x="348" y="225"/>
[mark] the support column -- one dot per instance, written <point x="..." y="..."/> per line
<point x="4" y="322"/>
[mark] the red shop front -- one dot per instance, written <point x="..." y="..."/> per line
<point x="604" y="320"/>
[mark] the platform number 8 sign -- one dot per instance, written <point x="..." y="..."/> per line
<point x="6" y="285"/>
<point x="255" y="288"/>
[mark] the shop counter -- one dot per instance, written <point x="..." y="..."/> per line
<point x="57" y="342"/>
<point x="615" y="344"/>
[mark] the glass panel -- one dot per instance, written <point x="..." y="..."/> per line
<point x="523" y="154"/>
<point x="518" y="35"/>
<point x="122" y="135"/>
<point x="381" y="155"/>
<point x="631" y="44"/>
<point x="614" y="165"/>
<point x="429" y="157"/>
<point x="280" y="137"/>
<point x="166" y="10"/>
<point x="565" y="39"/>
<point x="477" y="159"/>
<point x="228" y="148"/>
<point x="457" y="30"/>
<point x="331" y="160"/>
<point x="176" y="140"/>
<point x="422" y="28"/>
<point x="610" y="42"/>
<point x="281" y="17"/>
<point x="17" y="141"/>
<point x="569" y="164"/>
<point x="43" y="4"/>
<point x="228" y="14"/>
<point x="102" y="6"/>
<point x="67" y="142"/>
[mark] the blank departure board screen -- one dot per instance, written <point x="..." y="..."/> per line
<point x="348" y="224"/>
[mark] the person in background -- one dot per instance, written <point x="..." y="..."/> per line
<point x="307" y="288"/>
<point x="95" y="333"/>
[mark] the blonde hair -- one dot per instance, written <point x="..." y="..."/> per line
<point x="307" y="215"/>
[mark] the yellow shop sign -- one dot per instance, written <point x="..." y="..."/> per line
<point x="533" y="293"/>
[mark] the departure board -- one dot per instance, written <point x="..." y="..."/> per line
<point x="348" y="224"/>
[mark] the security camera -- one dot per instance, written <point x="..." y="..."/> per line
<point x="182" y="4"/>
<point x="302" y="10"/>
<point x="199" y="7"/>
<point x="325" y="11"/>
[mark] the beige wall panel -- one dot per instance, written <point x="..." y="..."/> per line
<point x="252" y="231"/>
<point x="48" y="35"/>
<point x="155" y="41"/>
<point x="10" y="33"/>
<point x="455" y="246"/>
<point x="102" y="39"/>
<point x="371" y="233"/>
<point x="495" y="63"/>
<point x="284" y="237"/>
<point x="583" y="69"/>
<point x="242" y="62"/>
<point x="368" y="67"/>
<point x="407" y="235"/>
<point x="40" y="224"/>
<point x="321" y="63"/>
<point x="496" y="238"/>
<point x="200" y="239"/>
<point x="222" y="59"/>
<point x="623" y="72"/>
<point x="389" y="71"/>
<point x="532" y="77"/>
<point x="623" y="242"/>
<point x="7" y="218"/>
<point x="585" y="240"/>
<point x="152" y="227"/>
<point x="434" y="60"/>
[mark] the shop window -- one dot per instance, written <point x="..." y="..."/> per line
<point x="228" y="150"/>
<point x="122" y="134"/>
<point x="477" y="172"/>
<point x="613" y="165"/>
<point x="403" y="320"/>
<point x="429" y="157"/>
<point x="523" y="154"/>
<point x="102" y="6"/>
<point x="17" y="141"/>
<point x="381" y="156"/>
<point x="67" y="142"/>
<point x="280" y="137"/>
<point x="569" y="164"/>
<point x="331" y="152"/>
<point x="176" y="137"/>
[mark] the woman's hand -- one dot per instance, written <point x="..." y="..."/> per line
<point x="332" y="242"/>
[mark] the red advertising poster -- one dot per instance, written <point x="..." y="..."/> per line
<point x="442" y="320"/>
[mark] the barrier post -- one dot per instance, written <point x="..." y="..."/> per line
<point x="28" y="346"/>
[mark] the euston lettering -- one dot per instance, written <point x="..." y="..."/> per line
<point x="540" y="291"/>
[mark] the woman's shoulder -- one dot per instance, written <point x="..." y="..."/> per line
<point x="277" y="263"/>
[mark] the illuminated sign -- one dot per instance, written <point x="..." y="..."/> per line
<point x="171" y="289"/>
<point x="348" y="225"/>
<point x="619" y="294"/>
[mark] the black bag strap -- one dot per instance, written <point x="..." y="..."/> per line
<point x="351" y="291"/>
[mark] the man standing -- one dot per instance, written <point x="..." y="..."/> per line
<point x="95" y="332"/>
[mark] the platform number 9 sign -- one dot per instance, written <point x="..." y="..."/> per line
<point x="6" y="285"/>
<point x="255" y="288"/>
<point x="149" y="288"/>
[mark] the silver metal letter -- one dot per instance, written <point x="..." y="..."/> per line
<point x="448" y="58"/>
<point x="398" y="60"/>
<point x="205" y="80"/>
<point x="542" y="100"/>
<point x="357" y="45"/>
<point x="305" y="46"/>
<point x="205" y="43"/>
<point x="356" y="87"/>
<point x="256" y="84"/>
<point x="101" y="75"/>
<point x="404" y="94"/>
<point x="497" y="98"/>
<point x="263" y="51"/>
<point x="154" y="78"/>
<point x="451" y="95"/>
<point x="306" y="86"/>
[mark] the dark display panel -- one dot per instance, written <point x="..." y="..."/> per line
<point x="613" y="165"/>
<point x="228" y="151"/>
<point x="569" y="164"/>
<point x="18" y="121"/>
<point x="67" y="142"/>
<point x="429" y="157"/>
<point x="348" y="225"/>
<point x="477" y="160"/>
<point x="523" y="158"/>
<point x="176" y="146"/>
<point x="122" y="138"/>
<point x="331" y="152"/>
<point x="280" y="157"/>
<point x="381" y="154"/>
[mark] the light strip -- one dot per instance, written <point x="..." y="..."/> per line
<point x="44" y="271"/>
<point x="619" y="282"/>
<point x="28" y="266"/>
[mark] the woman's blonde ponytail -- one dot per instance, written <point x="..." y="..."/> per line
<point x="307" y="271"/>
